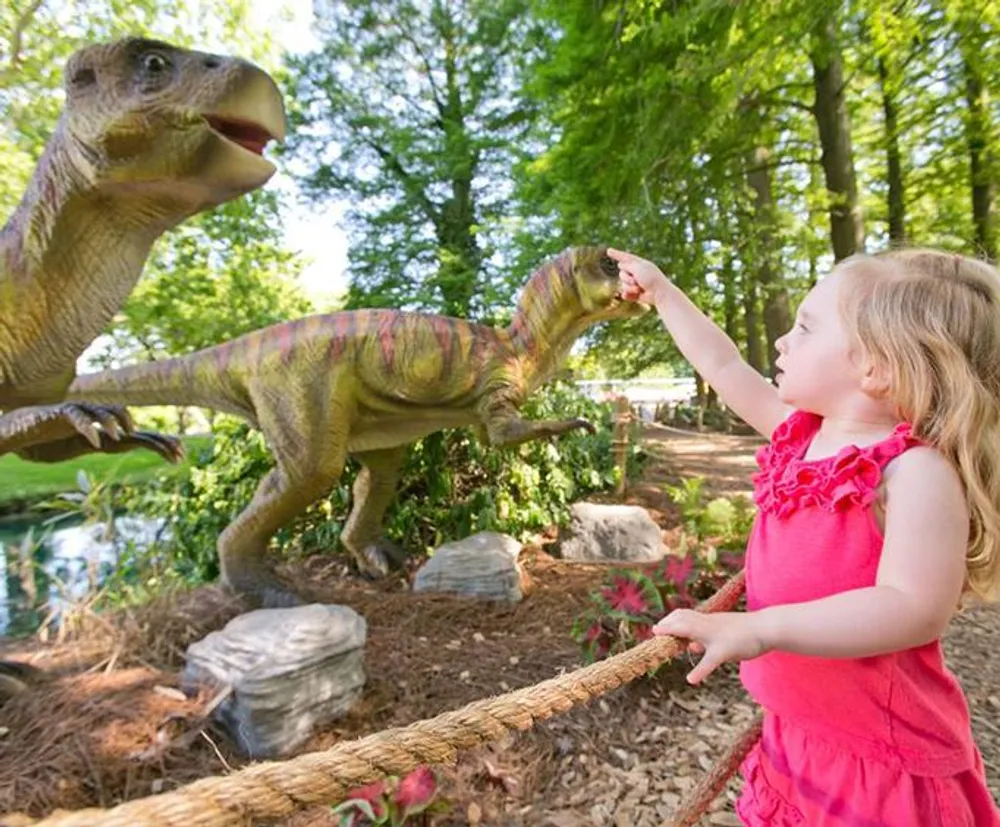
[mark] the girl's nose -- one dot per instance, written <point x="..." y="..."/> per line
<point x="779" y="344"/>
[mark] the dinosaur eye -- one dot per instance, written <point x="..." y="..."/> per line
<point x="84" y="77"/>
<point x="155" y="63"/>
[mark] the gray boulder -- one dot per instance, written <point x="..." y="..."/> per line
<point x="290" y="670"/>
<point x="483" y="565"/>
<point x="599" y="533"/>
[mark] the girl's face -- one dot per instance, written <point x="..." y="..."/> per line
<point x="819" y="371"/>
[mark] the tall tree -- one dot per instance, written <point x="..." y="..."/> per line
<point x="830" y="108"/>
<point x="973" y="33"/>
<point x="777" y="316"/>
<point x="409" y="113"/>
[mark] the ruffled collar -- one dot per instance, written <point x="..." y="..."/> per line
<point x="850" y="477"/>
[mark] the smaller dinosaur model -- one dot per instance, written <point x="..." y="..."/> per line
<point x="366" y="383"/>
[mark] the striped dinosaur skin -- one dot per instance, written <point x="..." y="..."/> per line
<point x="367" y="383"/>
<point x="150" y="135"/>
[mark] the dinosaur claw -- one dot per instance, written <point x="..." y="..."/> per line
<point x="378" y="559"/>
<point x="167" y="447"/>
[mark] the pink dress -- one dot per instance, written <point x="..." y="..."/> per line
<point x="882" y="741"/>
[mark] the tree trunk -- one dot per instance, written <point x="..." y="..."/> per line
<point x="830" y="109"/>
<point x="460" y="256"/>
<point x="701" y="398"/>
<point x="977" y="136"/>
<point x="815" y="185"/>
<point x="777" y="315"/>
<point x="894" y="163"/>
<point x="730" y="297"/>
<point x="751" y="319"/>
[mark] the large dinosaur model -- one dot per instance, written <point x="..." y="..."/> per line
<point x="367" y="383"/>
<point x="150" y="135"/>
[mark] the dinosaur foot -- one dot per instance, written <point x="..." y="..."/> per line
<point x="379" y="559"/>
<point x="261" y="589"/>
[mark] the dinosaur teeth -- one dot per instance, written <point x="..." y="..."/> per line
<point x="248" y="135"/>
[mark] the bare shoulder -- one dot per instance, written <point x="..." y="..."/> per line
<point x="923" y="476"/>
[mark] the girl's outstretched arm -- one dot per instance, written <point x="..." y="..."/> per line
<point x="703" y="344"/>
<point x="917" y="589"/>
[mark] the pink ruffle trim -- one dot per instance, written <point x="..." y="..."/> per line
<point x="760" y="805"/>
<point x="786" y="482"/>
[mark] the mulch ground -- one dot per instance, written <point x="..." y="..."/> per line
<point x="110" y="724"/>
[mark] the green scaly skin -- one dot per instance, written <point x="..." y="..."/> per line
<point x="367" y="383"/>
<point x="150" y="135"/>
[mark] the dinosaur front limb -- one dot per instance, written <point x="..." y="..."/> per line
<point x="53" y="433"/>
<point x="373" y="491"/>
<point x="504" y="426"/>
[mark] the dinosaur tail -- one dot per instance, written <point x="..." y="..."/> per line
<point x="191" y="380"/>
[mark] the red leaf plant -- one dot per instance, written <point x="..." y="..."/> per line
<point x="410" y="800"/>
<point x="623" y="610"/>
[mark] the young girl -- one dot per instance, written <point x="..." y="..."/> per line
<point x="878" y="510"/>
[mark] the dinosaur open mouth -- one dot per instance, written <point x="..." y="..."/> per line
<point x="250" y="136"/>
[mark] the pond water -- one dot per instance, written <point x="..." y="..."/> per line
<point x="67" y="555"/>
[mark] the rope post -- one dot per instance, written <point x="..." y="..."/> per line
<point x="619" y="443"/>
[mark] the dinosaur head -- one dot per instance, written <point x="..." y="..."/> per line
<point x="187" y="129"/>
<point x="597" y="285"/>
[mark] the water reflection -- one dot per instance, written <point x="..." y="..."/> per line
<point x="67" y="556"/>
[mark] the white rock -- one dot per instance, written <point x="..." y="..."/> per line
<point x="606" y="533"/>
<point x="483" y="565"/>
<point x="290" y="670"/>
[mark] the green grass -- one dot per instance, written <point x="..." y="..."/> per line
<point x="20" y="480"/>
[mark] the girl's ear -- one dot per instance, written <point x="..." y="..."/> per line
<point x="874" y="379"/>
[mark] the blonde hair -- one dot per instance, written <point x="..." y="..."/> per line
<point x="932" y="321"/>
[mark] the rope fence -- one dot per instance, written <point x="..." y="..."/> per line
<point x="270" y="790"/>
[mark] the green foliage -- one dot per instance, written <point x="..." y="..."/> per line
<point x="407" y="113"/>
<point x="721" y="522"/>
<point x="451" y="486"/>
<point x="412" y="800"/>
<point x="23" y="481"/>
<point x="625" y="608"/>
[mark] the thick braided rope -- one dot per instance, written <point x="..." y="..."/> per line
<point x="698" y="800"/>
<point x="273" y="789"/>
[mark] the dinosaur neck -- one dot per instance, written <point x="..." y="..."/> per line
<point x="547" y="322"/>
<point x="69" y="252"/>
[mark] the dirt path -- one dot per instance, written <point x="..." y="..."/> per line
<point x="625" y="759"/>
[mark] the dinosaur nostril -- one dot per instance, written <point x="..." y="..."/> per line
<point x="212" y="62"/>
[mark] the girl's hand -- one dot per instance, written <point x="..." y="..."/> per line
<point x="641" y="279"/>
<point x="722" y="636"/>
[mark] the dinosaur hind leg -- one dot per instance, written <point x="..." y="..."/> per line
<point x="243" y="545"/>
<point x="310" y="455"/>
<point x="374" y="488"/>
